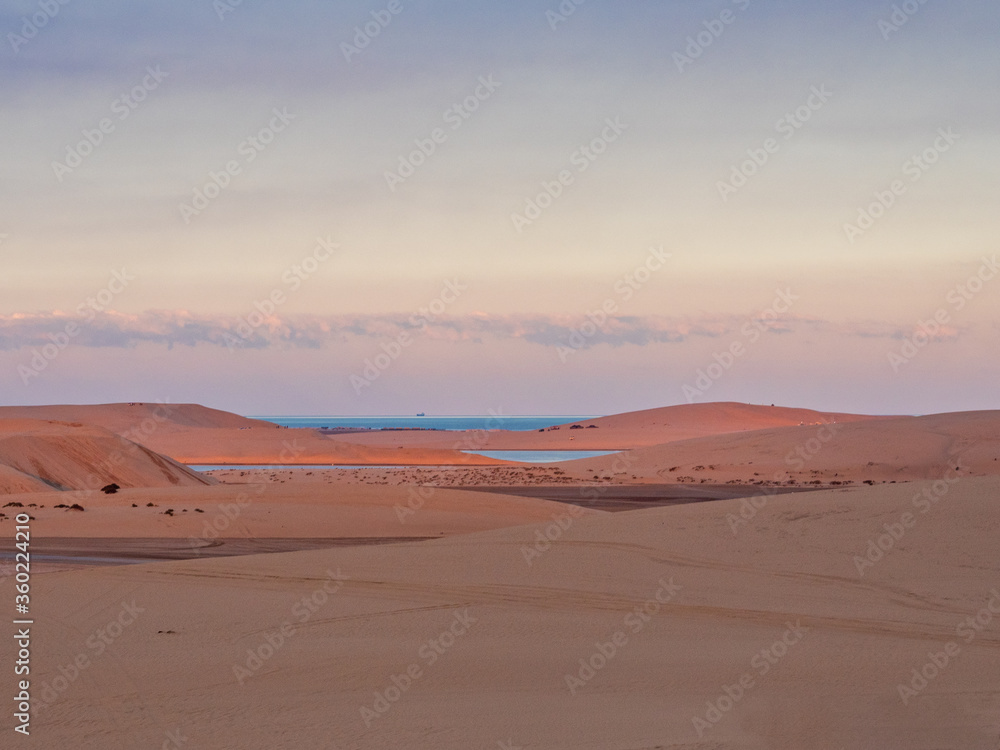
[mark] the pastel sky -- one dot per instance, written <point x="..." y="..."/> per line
<point x="634" y="204"/>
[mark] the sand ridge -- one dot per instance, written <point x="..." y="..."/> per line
<point x="195" y="434"/>
<point x="885" y="450"/>
<point x="39" y="455"/>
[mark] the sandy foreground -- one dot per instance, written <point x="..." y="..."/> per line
<point x="716" y="625"/>
<point x="417" y="613"/>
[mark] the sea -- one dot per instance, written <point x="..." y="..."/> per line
<point x="476" y="422"/>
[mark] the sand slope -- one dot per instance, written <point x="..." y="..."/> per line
<point x="620" y="431"/>
<point x="194" y="434"/>
<point x="900" y="449"/>
<point x="788" y="577"/>
<point x="12" y="481"/>
<point x="73" y="456"/>
<point x="123" y="417"/>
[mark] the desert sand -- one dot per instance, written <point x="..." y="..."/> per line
<point x="271" y="510"/>
<point x="624" y="431"/>
<point x="460" y="643"/>
<point x="40" y="455"/>
<point x="885" y="450"/>
<point x="194" y="434"/>
<point x="830" y="619"/>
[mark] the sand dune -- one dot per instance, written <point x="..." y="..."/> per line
<point x="620" y="431"/>
<point x="699" y="638"/>
<point x="129" y="418"/>
<point x="900" y="449"/>
<point x="194" y="434"/>
<point x="73" y="456"/>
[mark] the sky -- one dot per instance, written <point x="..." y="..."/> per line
<point x="587" y="207"/>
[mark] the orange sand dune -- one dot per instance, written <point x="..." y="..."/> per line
<point x="900" y="449"/>
<point x="194" y="434"/>
<point x="653" y="629"/>
<point x="73" y="456"/>
<point x="129" y="418"/>
<point x="619" y="431"/>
